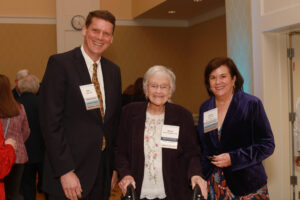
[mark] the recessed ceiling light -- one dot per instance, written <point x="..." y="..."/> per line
<point x="197" y="0"/>
<point x="171" y="11"/>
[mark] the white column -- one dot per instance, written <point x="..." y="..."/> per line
<point x="67" y="37"/>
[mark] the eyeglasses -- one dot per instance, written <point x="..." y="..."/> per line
<point x="156" y="86"/>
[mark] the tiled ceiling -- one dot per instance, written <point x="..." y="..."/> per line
<point x="184" y="9"/>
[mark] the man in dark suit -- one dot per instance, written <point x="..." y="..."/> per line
<point x="79" y="130"/>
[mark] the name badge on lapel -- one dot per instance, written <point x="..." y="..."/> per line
<point x="169" y="136"/>
<point x="210" y="120"/>
<point x="90" y="96"/>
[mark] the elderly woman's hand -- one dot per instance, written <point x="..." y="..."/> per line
<point x="201" y="182"/>
<point x="222" y="160"/>
<point x="126" y="180"/>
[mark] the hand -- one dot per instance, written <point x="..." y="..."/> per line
<point x="202" y="183"/>
<point x="114" y="179"/>
<point x="297" y="161"/>
<point x="222" y="160"/>
<point x="71" y="185"/>
<point x="12" y="142"/>
<point x="126" y="180"/>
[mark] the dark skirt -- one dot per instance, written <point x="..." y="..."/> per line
<point x="218" y="189"/>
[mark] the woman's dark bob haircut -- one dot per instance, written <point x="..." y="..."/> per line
<point x="216" y="63"/>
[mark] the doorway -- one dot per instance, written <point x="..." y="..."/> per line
<point x="294" y="116"/>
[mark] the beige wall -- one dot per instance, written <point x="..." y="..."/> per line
<point x="206" y="41"/>
<point x="28" y="8"/>
<point x="185" y="50"/>
<point x="122" y="9"/>
<point x="141" y="6"/>
<point x="26" y="46"/>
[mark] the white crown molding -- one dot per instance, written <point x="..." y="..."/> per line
<point x="207" y="16"/>
<point x="27" y="20"/>
<point x="152" y="22"/>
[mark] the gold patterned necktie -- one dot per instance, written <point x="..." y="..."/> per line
<point x="97" y="87"/>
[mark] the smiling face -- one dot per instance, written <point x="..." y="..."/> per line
<point x="221" y="83"/>
<point x="158" y="90"/>
<point x="97" y="37"/>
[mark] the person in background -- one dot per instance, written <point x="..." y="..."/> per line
<point x="13" y="116"/>
<point x="20" y="74"/>
<point x="28" y="87"/>
<point x="134" y="93"/>
<point x="235" y="135"/>
<point x="157" y="150"/>
<point x="139" y="94"/>
<point x="80" y="105"/>
<point x="7" y="158"/>
<point x="127" y="95"/>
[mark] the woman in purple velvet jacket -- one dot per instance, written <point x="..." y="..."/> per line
<point x="235" y="136"/>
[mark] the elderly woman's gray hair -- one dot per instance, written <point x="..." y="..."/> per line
<point x="30" y="83"/>
<point x="21" y="74"/>
<point x="159" y="69"/>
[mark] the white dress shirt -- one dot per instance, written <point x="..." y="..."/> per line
<point x="89" y="63"/>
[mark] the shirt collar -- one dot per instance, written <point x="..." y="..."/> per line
<point x="89" y="62"/>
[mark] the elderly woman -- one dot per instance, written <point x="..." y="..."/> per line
<point x="157" y="149"/>
<point x="28" y="87"/>
<point x="235" y="135"/>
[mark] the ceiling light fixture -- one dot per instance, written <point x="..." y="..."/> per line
<point x="171" y="11"/>
<point x="197" y="1"/>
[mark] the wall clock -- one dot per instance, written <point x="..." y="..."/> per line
<point x="78" y="22"/>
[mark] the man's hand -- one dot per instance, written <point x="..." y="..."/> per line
<point x="71" y="185"/>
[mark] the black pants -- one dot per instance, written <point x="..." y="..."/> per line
<point x="12" y="183"/>
<point x="99" y="187"/>
<point x="29" y="179"/>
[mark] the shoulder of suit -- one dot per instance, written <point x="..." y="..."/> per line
<point x="105" y="61"/>
<point x="175" y="108"/>
<point x="74" y="52"/>
<point x="246" y="98"/>
<point x="135" y="106"/>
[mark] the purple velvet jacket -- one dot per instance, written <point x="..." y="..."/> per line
<point x="178" y="164"/>
<point x="246" y="136"/>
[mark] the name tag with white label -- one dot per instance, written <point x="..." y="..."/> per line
<point x="210" y="120"/>
<point x="169" y="136"/>
<point x="90" y="96"/>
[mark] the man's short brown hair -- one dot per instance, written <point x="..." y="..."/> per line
<point x="102" y="14"/>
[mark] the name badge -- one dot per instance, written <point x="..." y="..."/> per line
<point x="169" y="136"/>
<point x="210" y="120"/>
<point x="90" y="96"/>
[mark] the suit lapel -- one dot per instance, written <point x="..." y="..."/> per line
<point x="213" y="135"/>
<point x="84" y="76"/>
<point x="108" y="82"/>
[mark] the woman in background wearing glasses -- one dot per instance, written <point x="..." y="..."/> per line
<point x="157" y="149"/>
